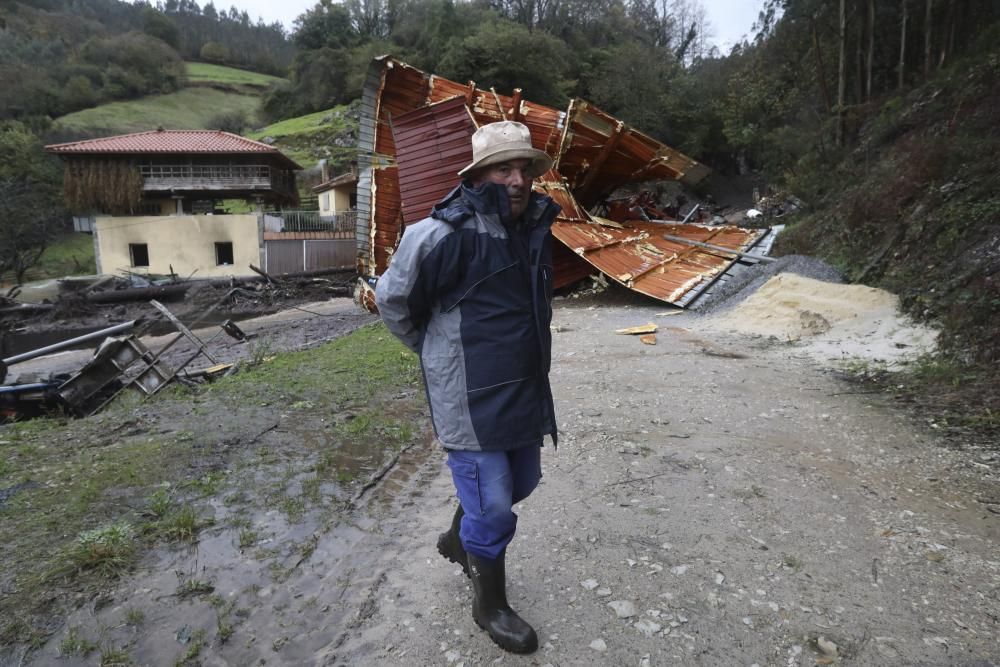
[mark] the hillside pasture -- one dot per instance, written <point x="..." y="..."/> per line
<point x="329" y="134"/>
<point x="192" y="108"/>
<point x="205" y="73"/>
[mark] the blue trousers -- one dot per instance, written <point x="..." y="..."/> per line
<point x="488" y="485"/>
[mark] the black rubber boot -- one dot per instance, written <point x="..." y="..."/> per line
<point x="449" y="544"/>
<point x="491" y="611"/>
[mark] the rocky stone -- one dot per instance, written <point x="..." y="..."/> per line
<point x="623" y="608"/>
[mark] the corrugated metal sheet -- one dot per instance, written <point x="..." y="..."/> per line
<point x="638" y="257"/>
<point x="366" y="160"/>
<point x="568" y="266"/>
<point x="386" y="230"/>
<point x="328" y="254"/>
<point x="283" y="257"/>
<point x="433" y="143"/>
<point x="415" y="132"/>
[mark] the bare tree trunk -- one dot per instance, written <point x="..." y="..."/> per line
<point x="820" y="69"/>
<point x="871" y="50"/>
<point x="842" y="73"/>
<point x="859" y="61"/>
<point x="927" y="38"/>
<point x="901" y="71"/>
<point x="949" y="26"/>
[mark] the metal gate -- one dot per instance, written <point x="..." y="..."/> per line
<point x="284" y="257"/>
<point x="309" y="255"/>
<point x="332" y="254"/>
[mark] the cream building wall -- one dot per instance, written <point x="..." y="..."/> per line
<point x="186" y="242"/>
<point x="335" y="201"/>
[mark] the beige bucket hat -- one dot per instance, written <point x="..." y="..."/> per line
<point x="502" y="141"/>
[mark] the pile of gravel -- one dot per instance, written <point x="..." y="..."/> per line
<point x="740" y="284"/>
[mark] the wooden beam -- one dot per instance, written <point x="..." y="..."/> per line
<point x="602" y="157"/>
<point x="718" y="248"/>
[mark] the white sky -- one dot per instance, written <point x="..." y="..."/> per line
<point x="730" y="19"/>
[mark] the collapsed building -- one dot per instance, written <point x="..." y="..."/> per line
<point x="415" y="136"/>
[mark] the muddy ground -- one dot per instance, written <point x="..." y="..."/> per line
<point x="715" y="500"/>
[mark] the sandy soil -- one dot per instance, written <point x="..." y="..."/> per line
<point x="716" y="499"/>
<point x="830" y="322"/>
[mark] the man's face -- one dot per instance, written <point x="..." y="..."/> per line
<point x="513" y="175"/>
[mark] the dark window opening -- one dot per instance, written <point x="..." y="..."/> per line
<point x="224" y="253"/>
<point x="150" y="208"/>
<point x="353" y="199"/>
<point x="139" y="252"/>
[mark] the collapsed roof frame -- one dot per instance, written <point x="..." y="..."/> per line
<point x="414" y="137"/>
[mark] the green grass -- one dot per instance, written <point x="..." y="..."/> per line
<point x="307" y="124"/>
<point x="75" y="644"/>
<point x="110" y="485"/>
<point x="308" y="138"/>
<point x="68" y="255"/>
<point x="109" y="549"/>
<point x="359" y="364"/>
<point x="134" y="616"/>
<point x="115" y="657"/>
<point x="187" y="109"/>
<point x="206" y="73"/>
<point x="181" y="525"/>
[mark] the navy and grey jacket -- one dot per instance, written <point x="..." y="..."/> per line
<point x="473" y="298"/>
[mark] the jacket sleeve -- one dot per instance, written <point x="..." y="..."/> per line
<point x="421" y="269"/>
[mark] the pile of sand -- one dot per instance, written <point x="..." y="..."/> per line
<point x="832" y="321"/>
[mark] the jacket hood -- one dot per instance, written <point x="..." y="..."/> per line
<point x="490" y="198"/>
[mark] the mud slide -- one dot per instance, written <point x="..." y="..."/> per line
<point x="716" y="499"/>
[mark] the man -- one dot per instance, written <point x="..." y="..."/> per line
<point x="469" y="289"/>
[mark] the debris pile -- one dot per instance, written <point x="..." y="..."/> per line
<point x="415" y="137"/>
<point x="121" y="361"/>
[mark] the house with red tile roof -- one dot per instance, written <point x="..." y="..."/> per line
<point x="186" y="201"/>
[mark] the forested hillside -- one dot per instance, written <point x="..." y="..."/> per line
<point x="60" y="56"/>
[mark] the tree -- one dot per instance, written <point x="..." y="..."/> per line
<point x="507" y="56"/>
<point x="28" y="222"/>
<point x="29" y="212"/>
<point x="325" y="25"/>
<point x="629" y="84"/>
<point x="78" y="93"/>
<point x="135" y="64"/>
<point x="213" y="52"/>
<point x="159" y="25"/>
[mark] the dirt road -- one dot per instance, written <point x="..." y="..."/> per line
<point x="714" y="500"/>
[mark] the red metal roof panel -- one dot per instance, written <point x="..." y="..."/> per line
<point x="638" y="257"/>
<point x="433" y="144"/>
<point x="423" y="123"/>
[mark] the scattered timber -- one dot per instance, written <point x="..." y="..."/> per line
<point x="718" y="248"/>
<point x="178" y="289"/>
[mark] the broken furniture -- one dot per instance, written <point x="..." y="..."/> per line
<point x="101" y="380"/>
<point x="119" y="363"/>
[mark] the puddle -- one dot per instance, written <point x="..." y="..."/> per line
<point x="269" y="589"/>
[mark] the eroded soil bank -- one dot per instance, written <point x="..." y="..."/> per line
<point x="715" y="499"/>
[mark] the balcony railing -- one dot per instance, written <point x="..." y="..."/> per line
<point x="312" y="221"/>
<point x="212" y="177"/>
